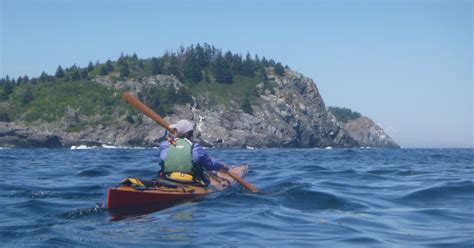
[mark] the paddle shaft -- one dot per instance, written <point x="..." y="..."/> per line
<point x="146" y="110"/>
<point x="150" y="113"/>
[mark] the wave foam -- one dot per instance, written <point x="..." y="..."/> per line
<point x="82" y="147"/>
<point x="103" y="146"/>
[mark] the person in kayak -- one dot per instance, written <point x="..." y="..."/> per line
<point x="183" y="160"/>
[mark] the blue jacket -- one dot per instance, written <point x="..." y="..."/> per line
<point x="200" y="156"/>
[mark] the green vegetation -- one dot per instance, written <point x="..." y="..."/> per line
<point x="4" y="114"/>
<point x="162" y="99"/>
<point x="51" y="101"/>
<point x="72" y="94"/>
<point x="344" y="115"/>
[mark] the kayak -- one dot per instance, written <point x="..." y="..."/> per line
<point x="163" y="193"/>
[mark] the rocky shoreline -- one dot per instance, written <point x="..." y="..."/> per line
<point x="292" y="114"/>
<point x="20" y="136"/>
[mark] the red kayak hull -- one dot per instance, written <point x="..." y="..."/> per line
<point x="127" y="197"/>
<point x="119" y="198"/>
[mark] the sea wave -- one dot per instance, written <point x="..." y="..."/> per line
<point x="441" y="192"/>
<point x="309" y="197"/>
<point x="104" y="146"/>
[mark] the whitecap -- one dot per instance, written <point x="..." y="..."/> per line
<point x="82" y="147"/>
<point x="109" y="146"/>
<point x="122" y="147"/>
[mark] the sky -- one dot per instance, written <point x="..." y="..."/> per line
<point x="405" y="64"/>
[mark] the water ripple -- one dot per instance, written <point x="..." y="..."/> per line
<point x="310" y="197"/>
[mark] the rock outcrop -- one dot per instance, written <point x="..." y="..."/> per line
<point x="369" y="134"/>
<point x="18" y="136"/>
<point x="291" y="113"/>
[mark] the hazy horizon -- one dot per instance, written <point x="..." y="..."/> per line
<point x="406" y="65"/>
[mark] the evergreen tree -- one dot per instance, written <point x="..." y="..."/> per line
<point x="103" y="70"/>
<point x="229" y="57"/>
<point x="203" y="56"/>
<point x="4" y="115"/>
<point x="279" y="70"/>
<point x="257" y="61"/>
<point x="248" y="67"/>
<point x="7" y="88"/>
<point x="191" y="69"/>
<point x="222" y="70"/>
<point x="124" y="70"/>
<point x="108" y="66"/>
<point x="75" y="74"/>
<point x="59" y="72"/>
<point x="90" y="67"/>
<point x="207" y="78"/>
<point x="122" y="60"/>
<point x="43" y="77"/>
<point x="173" y="68"/>
<point x="140" y="64"/>
<point x="85" y="73"/>
<point x="264" y="61"/>
<point x="271" y="62"/>
<point x="156" y="66"/>
<point x="237" y="64"/>
<point x="27" y="96"/>
<point x="344" y="115"/>
<point x="135" y="57"/>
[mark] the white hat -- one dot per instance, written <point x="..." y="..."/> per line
<point x="183" y="126"/>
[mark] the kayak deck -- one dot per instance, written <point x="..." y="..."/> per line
<point x="161" y="196"/>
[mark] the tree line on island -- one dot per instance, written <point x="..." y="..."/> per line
<point x="194" y="65"/>
<point x="191" y="64"/>
<point x="344" y="115"/>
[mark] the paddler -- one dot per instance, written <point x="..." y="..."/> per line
<point x="183" y="160"/>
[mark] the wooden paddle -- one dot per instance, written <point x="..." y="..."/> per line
<point x="154" y="116"/>
<point x="242" y="181"/>
<point x="147" y="111"/>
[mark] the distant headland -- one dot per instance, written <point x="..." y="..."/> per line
<point x="236" y="101"/>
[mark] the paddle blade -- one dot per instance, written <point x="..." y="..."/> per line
<point x="246" y="185"/>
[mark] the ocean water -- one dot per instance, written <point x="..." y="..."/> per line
<point x="311" y="197"/>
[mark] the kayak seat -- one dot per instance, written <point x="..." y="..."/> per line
<point x="168" y="182"/>
<point x="144" y="184"/>
<point x="137" y="183"/>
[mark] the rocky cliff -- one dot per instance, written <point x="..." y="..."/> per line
<point x="288" y="113"/>
<point x="368" y="134"/>
<point x="292" y="114"/>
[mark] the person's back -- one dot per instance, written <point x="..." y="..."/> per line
<point x="183" y="160"/>
<point x="179" y="157"/>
